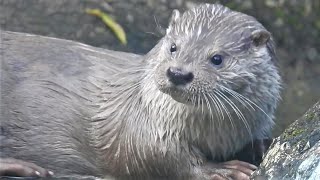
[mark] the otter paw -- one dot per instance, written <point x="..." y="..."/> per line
<point x="15" y="167"/>
<point x="254" y="151"/>
<point x="236" y="170"/>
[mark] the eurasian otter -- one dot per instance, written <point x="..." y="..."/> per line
<point x="208" y="88"/>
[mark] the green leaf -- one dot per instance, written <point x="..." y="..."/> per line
<point x="114" y="26"/>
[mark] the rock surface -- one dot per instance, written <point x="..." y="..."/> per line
<point x="294" y="24"/>
<point x="296" y="153"/>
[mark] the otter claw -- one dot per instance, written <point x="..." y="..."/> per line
<point x="15" y="167"/>
<point x="241" y="166"/>
<point x="236" y="170"/>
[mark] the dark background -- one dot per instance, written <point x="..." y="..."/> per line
<point x="295" y="25"/>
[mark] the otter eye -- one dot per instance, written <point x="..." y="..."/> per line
<point x="173" y="48"/>
<point x="216" y="59"/>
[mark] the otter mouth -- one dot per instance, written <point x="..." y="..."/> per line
<point x="181" y="99"/>
<point x="182" y="95"/>
<point x="177" y="93"/>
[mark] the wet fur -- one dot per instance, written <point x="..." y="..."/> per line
<point x="90" y="111"/>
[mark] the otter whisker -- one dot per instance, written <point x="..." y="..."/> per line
<point x="198" y="102"/>
<point x="244" y="102"/>
<point x="202" y="105"/>
<point x="209" y="107"/>
<point x="236" y="96"/>
<point x="217" y="109"/>
<point x="248" y="101"/>
<point x="232" y="105"/>
<point x="250" y="110"/>
<point x="225" y="109"/>
<point x="236" y="110"/>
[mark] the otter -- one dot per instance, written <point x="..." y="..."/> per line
<point x="205" y="91"/>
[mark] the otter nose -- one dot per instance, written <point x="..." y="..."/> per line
<point x="179" y="77"/>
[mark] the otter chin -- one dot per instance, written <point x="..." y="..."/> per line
<point x="179" y="93"/>
<point x="204" y="93"/>
<point x="180" y="96"/>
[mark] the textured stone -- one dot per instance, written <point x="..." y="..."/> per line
<point x="296" y="153"/>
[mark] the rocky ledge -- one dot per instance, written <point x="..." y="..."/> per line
<point x="295" y="154"/>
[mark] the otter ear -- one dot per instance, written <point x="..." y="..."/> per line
<point x="260" y="37"/>
<point x="174" y="18"/>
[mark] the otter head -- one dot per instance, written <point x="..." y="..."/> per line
<point x="211" y="54"/>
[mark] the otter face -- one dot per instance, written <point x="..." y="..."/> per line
<point x="212" y="54"/>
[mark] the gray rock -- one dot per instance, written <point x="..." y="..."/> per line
<point x="296" y="153"/>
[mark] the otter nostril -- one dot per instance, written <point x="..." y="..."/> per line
<point x="189" y="77"/>
<point x="179" y="77"/>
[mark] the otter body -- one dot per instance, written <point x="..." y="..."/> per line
<point x="207" y="89"/>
